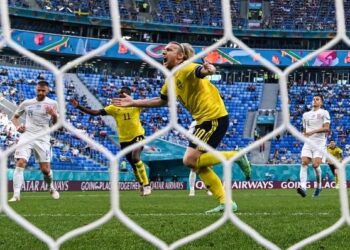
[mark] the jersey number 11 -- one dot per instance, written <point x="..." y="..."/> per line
<point x="126" y="116"/>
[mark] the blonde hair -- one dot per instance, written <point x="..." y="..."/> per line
<point x="186" y="49"/>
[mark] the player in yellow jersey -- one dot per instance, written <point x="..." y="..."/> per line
<point x="202" y="99"/>
<point x="337" y="152"/>
<point x="130" y="131"/>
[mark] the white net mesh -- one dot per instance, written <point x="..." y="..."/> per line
<point x="115" y="210"/>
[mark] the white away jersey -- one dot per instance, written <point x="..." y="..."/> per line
<point x="315" y="120"/>
<point x="37" y="118"/>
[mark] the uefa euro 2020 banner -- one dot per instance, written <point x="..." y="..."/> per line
<point x="62" y="44"/>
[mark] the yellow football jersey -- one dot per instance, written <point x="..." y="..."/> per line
<point x="200" y="97"/>
<point x="336" y="152"/>
<point x="127" y="120"/>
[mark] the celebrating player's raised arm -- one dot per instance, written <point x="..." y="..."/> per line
<point x="206" y="69"/>
<point x="128" y="101"/>
<point x="86" y="110"/>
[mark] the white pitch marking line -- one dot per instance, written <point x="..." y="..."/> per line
<point x="171" y="214"/>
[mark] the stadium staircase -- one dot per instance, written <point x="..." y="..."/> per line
<point x="7" y="107"/>
<point x="250" y="122"/>
<point x="266" y="9"/>
<point x="269" y="100"/>
<point x="141" y="16"/>
<point x="279" y="120"/>
<point x="152" y="5"/>
<point x="81" y="90"/>
<point x="243" y="9"/>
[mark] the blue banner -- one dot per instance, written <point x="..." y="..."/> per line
<point x="58" y="44"/>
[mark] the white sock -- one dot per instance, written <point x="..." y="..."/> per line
<point x="303" y="176"/>
<point x="49" y="179"/>
<point x="192" y="179"/>
<point x="18" y="180"/>
<point x="318" y="173"/>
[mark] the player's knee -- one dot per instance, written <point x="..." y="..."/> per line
<point x="45" y="168"/>
<point x="315" y="165"/>
<point x="21" y="163"/>
<point x="135" y="158"/>
<point x="185" y="161"/>
<point x="189" y="161"/>
<point x="304" y="162"/>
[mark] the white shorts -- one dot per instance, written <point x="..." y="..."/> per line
<point x="310" y="152"/>
<point x="192" y="127"/>
<point x="41" y="148"/>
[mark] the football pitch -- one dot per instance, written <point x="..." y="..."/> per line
<point x="280" y="215"/>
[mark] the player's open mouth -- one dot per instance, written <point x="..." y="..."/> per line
<point x="165" y="60"/>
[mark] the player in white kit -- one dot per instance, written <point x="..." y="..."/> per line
<point x="316" y="125"/>
<point x="40" y="112"/>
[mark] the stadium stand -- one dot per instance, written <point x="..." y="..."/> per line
<point x="206" y="13"/>
<point x="93" y="8"/>
<point x="347" y="10"/>
<point x="18" y="3"/>
<point x="300" y="15"/>
<point x="287" y="15"/>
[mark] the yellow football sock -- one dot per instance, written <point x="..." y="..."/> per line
<point x="137" y="175"/>
<point x="208" y="159"/>
<point x="142" y="172"/>
<point x="213" y="183"/>
<point x="336" y="180"/>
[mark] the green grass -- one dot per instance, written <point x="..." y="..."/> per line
<point x="280" y="215"/>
